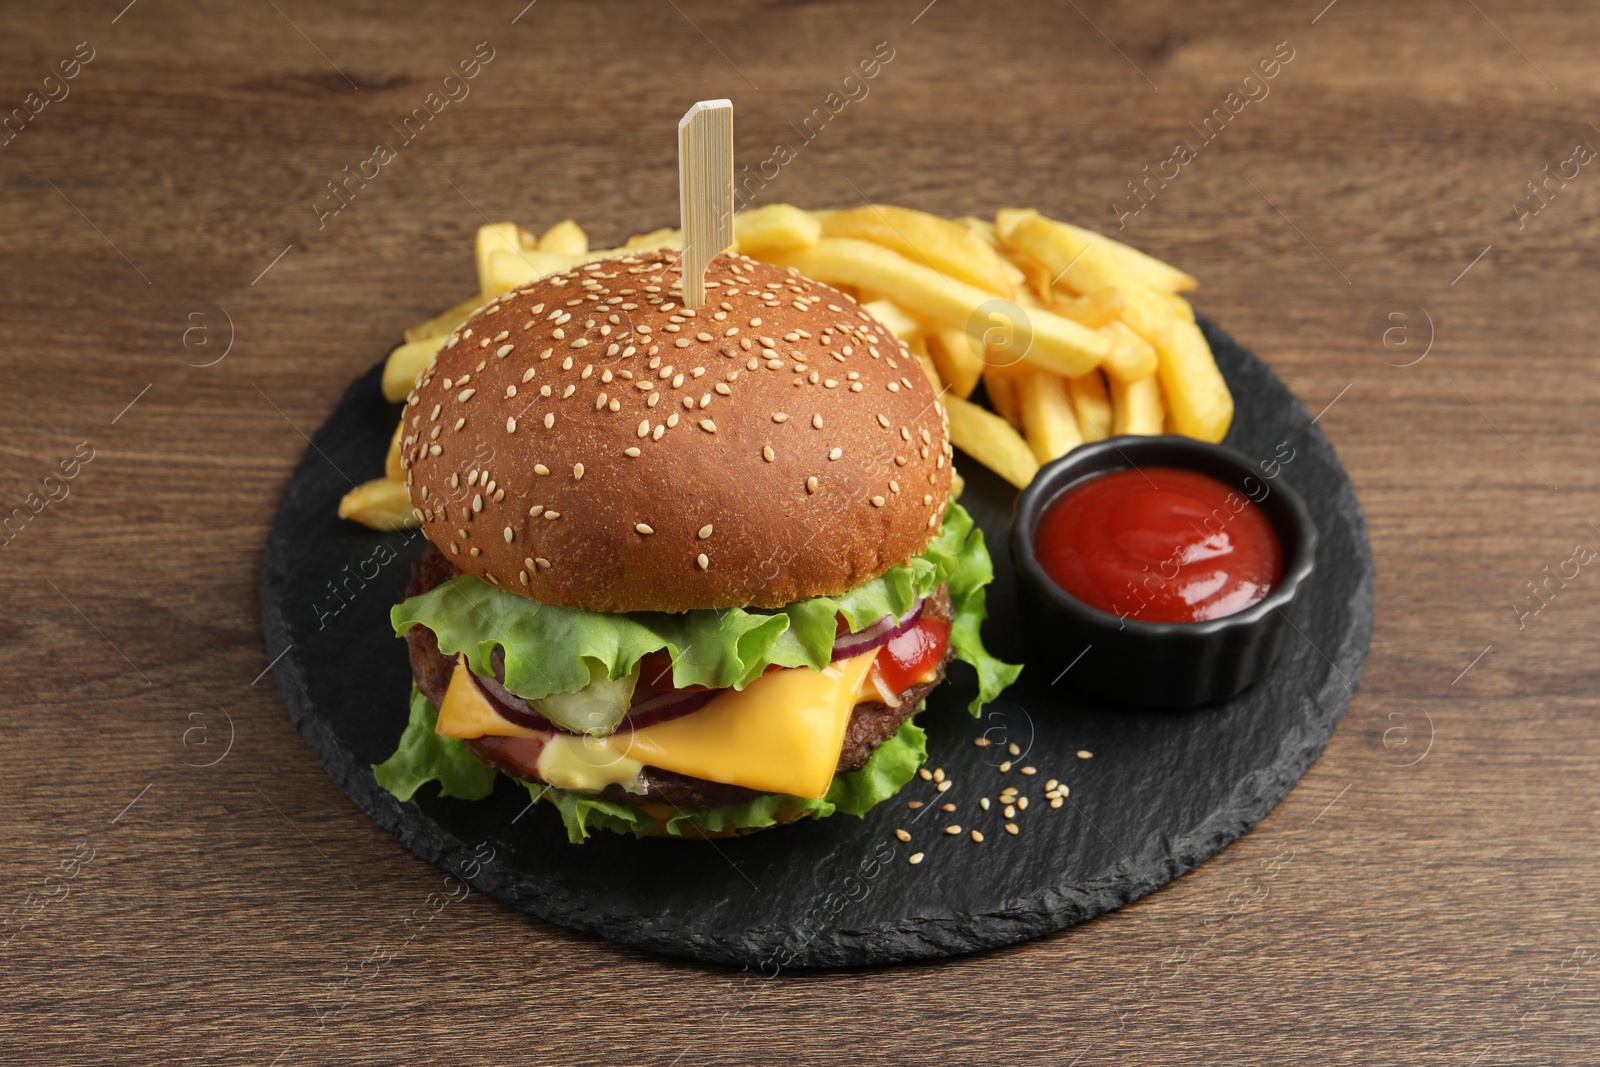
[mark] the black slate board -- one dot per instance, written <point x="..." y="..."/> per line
<point x="1163" y="792"/>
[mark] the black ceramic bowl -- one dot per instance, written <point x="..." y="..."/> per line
<point x="1155" y="664"/>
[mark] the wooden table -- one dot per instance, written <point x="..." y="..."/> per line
<point x="1426" y="896"/>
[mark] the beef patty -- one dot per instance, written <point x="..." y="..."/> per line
<point x="871" y="723"/>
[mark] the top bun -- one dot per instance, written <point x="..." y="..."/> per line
<point x="588" y="442"/>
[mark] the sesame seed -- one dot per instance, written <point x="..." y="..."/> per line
<point x="877" y="501"/>
<point x="705" y="532"/>
<point x="644" y="427"/>
<point x="550" y="420"/>
<point x="632" y="452"/>
<point x="953" y="829"/>
<point x="703" y="561"/>
<point x="643" y="528"/>
<point x="816" y="421"/>
<point x="1013" y="749"/>
<point x="508" y="535"/>
<point x="768" y="454"/>
<point x="1011" y="828"/>
<point x="916" y="858"/>
<point x="925" y="774"/>
<point x="1030" y="770"/>
<point x="722" y="389"/>
<point x="778" y="416"/>
<point x="913" y="804"/>
<point x="983" y="802"/>
<point x="945" y="785"/>
<point x="977" y="836"/>
<point x="542" y="562"/>
<point x="477" y="503"/>
<point x="1022" y="803"/>
<point x="536" y="511"/>
<point x="947" y="807"/>
<point x="660" y="429"/>
<point x="465" y="395"/>
<point x="540" y="468"/>
<point x="552" y="514"/>
<point x="1084" y="753"/>
<point x="708" y="426"/>
<point x="511" y="425"/>
<point x="1056" y="802"/>
<point x="1006" y="766"/>
<point x="811" y="482"/>
<point x="835" y="453"/>
<point x="577" y="472"/>
<point x="504" y="350"/>
<point x="980" y="742"/>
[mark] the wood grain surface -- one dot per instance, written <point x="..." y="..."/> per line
<point x="1426" y="896"/>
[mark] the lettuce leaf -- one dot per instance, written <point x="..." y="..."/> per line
<point x="885" y="774"/>
<point x="423" y="756"/>
<point x="548" y="649"/>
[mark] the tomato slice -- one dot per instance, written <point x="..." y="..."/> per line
<point x="913" y="656"/>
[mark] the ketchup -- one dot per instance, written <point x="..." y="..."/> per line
<point x="913" y="655"/>
<point x="1159" y="544"/>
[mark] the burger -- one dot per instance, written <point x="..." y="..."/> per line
<point x="690" y="571"/>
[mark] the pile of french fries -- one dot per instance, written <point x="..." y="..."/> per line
<point x="1074" y="337"/>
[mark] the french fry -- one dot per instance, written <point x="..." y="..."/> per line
<point x="507" y="270"/>
<point x="1094" y="310"/>
<point x="1057" y="344"/>
<point x="1002" y="390"/>
<point x="1180" y="307"/>
<point x="1093" y="405"/>
<point x="775" y="226"/>
<point x="1068" y="259"/>
<point x="957" y="483"/>
<point x="493" y="238"/>
<point x="990" y="440"/>
<point x="939" y="244"/>
<point x="444" y="323"/>
<point x="1096" y="261"/>
<point x="381" y="504"/>
<point x="1201" y="405"/>
<point x="663" y="238"/>
<point x="984" y="228"/>
<point x="958" y="358"/>
<point x="391" y="463"/>
<point x="894" y="316"/>
<point x="1148" y="313"/>
<point x="1132" y="357"/>
<point x="404" y="364"/>
<point x="1048" y="421"/>
<point x="1137" y="265"/>
<point x="564" y="238"/>
<point x="1136" y="407"/>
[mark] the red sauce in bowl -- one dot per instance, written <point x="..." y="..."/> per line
<point x="1159" y="544"/>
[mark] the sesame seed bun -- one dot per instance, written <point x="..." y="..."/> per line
<point x="588" y="442"/>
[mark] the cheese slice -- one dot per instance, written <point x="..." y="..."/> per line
<point x="466" y="713"/>
<point x="781" y="734"/>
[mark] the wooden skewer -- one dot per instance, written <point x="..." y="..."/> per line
<point x="705" y="191"/>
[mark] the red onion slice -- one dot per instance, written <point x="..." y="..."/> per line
<point x="510" y="707"/>
<point x="667" y="706"/>
<point x="878" y="634"/>
<point x="660" y="708"/>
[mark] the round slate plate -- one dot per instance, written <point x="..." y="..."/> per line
<point x="1163" y="791"/>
